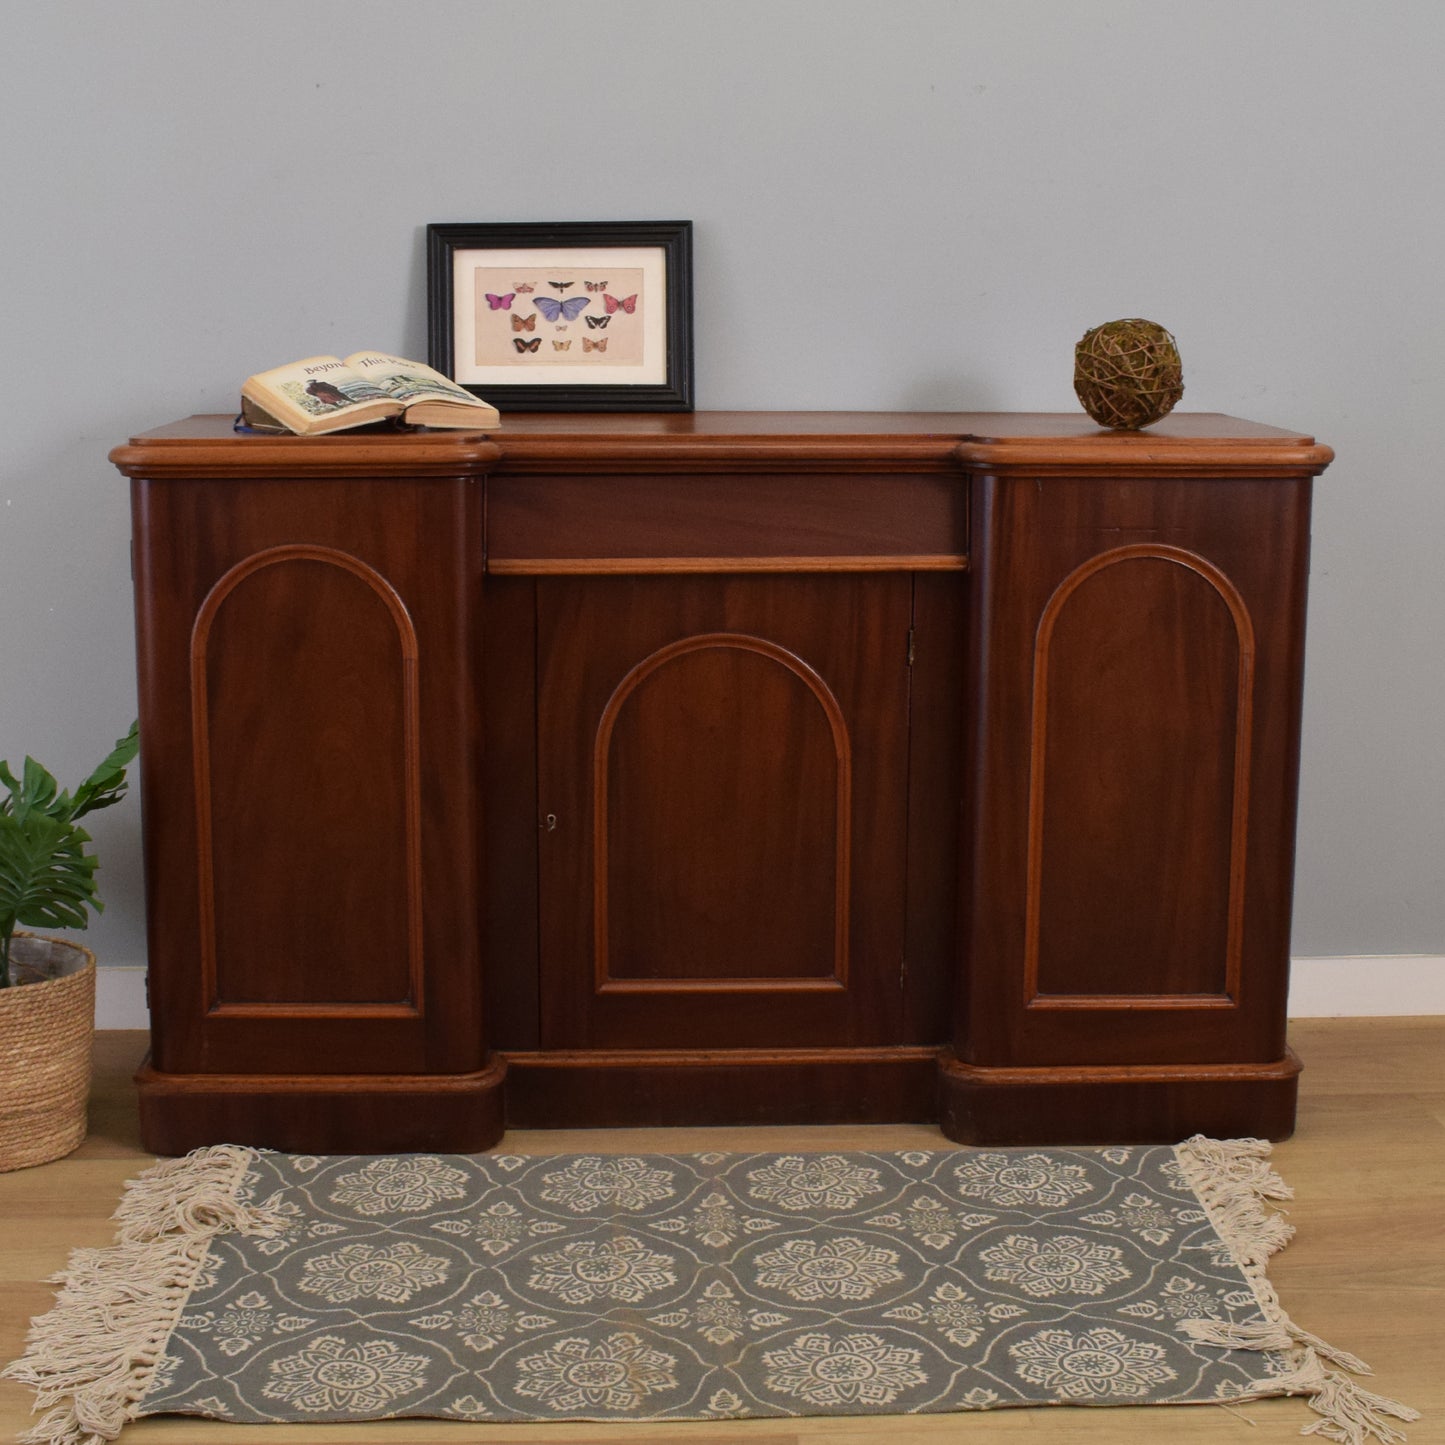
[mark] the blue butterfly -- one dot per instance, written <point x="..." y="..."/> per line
<point x="570" y="309"/>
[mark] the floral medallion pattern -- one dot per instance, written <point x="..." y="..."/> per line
<point x="1091" y="1365"/>
<point x="622" y="1269"/>
<point x="851" y="1370"/>
<point x="819" y="1269"/>
<point x="400" y="1185"/>
<point x="333" y="1376"/>
<point x="709" y="1286"/>
<point x="390" y="1272"/>
<point x="613" y="1375"/>
<point x="1030" y="1179"/>
<point x="830" y="1181"/>
<point x="1051" y="1265"/>
<point x="592" y="1183"/>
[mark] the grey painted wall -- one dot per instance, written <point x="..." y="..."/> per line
<point x="917" y="204"/>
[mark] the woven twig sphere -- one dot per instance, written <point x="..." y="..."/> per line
<point x="1127" y="373"/>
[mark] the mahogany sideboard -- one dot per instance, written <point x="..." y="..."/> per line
<point x="719" y="768"/>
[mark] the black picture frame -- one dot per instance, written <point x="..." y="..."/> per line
<point x="457" y="253"/>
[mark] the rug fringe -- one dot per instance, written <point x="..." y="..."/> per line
<point x="1282" y="1334"/>
<point x="1233" y="1178"/>
<point x="1347" y="1412"/>
<point x="91" y="1359"/>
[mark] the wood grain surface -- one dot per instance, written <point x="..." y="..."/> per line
<point x="706" y="731"/>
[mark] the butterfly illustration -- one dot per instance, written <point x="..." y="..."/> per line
<point x="597" y="323"/>
<point x="625" y="303"/>
<point x="531" y="345"/>
<point x="561" y="285"/>
<point x="589" y="345"/>
<point x="523" y="288"/>
<point x="568" y="310"/>
<point x="596" y="285"/>
<point x="525" y="323"/>
<point x="560" y="345"/>
<point x="500" y="303"/>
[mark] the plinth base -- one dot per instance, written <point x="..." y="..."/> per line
<point x="1142" y="1103"/>
<point x="323" y="1113"/>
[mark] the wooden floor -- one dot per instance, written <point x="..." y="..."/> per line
<point x="1366" y="1271"/>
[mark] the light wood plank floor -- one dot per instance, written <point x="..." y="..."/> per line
<point x="1366" y="1271"/>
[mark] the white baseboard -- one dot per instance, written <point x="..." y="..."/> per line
<point x="1367" y="986"/>
<point x="1374" y="986"/>
<point x="120" y="998"/>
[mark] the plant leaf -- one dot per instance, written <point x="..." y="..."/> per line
<point x="34" y="791"/>
<point x="46" y="878"/>
<point x="106" y="785"/>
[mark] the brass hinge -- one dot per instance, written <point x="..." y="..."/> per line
<point x="910" y="647"/>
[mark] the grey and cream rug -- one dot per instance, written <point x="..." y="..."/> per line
<point x="250" y="1287"/>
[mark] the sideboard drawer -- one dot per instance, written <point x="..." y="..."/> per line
<point x="750" y="522"/>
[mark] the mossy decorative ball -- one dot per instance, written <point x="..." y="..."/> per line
<point x="1127" y="373"/>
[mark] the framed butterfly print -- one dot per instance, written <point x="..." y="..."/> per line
<point x="506" y="301"/>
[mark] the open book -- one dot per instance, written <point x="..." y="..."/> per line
<point x="326" y="394"/>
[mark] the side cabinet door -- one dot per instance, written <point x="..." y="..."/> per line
<point x="722" y="798"/>
<point x="1140" y="652"/>
<point x="308" y="733"/>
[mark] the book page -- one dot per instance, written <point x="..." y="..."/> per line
<point x="321" y="385"/>
<point x="406" y="381"/>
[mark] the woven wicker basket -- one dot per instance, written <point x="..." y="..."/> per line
<point x="46" y="1027"/>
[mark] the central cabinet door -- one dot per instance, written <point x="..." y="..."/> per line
<point x="722" y="780"/>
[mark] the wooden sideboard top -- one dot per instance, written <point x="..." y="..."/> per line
<point x="1042" y="442"/>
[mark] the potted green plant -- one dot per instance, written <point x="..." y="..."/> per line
<point x="47" y="985"/>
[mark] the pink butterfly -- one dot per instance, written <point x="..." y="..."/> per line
<point x="624" y="303"/>
<point x="524" y="288"/>
<point x="500" y="303"/>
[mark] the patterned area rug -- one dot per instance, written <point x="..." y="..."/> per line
<point x="252" y="1287"/>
